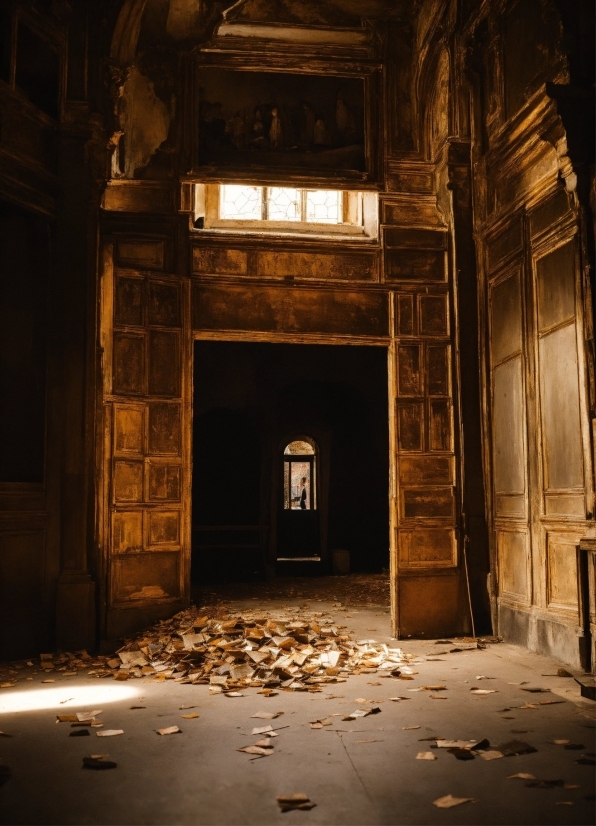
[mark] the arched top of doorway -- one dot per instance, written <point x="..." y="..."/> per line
<point x="302" y="446"/>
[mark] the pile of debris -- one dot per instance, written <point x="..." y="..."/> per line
<point x="231" y="652"/>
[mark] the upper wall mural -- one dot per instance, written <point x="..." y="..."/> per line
<point x="251" y="119"/>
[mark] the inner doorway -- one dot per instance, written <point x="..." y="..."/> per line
<point x="252" y="400"/>
<point x="299" y="536"/>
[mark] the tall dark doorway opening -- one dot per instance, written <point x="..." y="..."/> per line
<point x="251" y="399"/>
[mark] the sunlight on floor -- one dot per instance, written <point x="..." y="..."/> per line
<point x="64" y="698"/>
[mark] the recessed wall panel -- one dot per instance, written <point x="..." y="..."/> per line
<point x="405" y="315"/>
<point x="129" y="301"/>
<point x="164" y="428"/>
<point x="433" y="315"/>
<point x="414" y="265"/>
<point x="164" y="363"/>
<point x="562" y="574"/>
<point x="128" y="481"/>
<point x="508" y="428"/>
<point x="146" y="576"/>
<point x="128" y="429"/>
<point x="427" y="548"/>
<point x="163" y="306"/>
<point x="143" y="253"/>
<point x="427" y="503"/>
<point x="129" y="364"/>
<point x="290" y="310"/>
<point x="437" y="369"/>
<point x="410" y="419"/>
<point x="127" y="532"/>
<point x="409" y="375"/>
<point x="164" y="482"/>
<point x="506" y="318"/>
<point x="425" y="470"/>
<point x="560" y="408"/>
<point x="555" y="279"/>
<point x="164" y="528"/>
<point x="216" y="260"/>
<point x="514" y="572"/>
<point x="439" y="426"/>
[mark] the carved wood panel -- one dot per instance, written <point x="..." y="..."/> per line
<point x="146" y="463"/>
<point x="426" y="505"/>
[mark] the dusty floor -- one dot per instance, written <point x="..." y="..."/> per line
<point x="358" y="772"/>
<point x="356" y="589"/>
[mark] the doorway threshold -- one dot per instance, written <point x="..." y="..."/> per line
<point x="298" y="558"/>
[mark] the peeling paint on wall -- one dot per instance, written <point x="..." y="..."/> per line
<point x="145" y="120"/>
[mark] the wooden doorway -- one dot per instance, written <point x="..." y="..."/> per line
<point x="299" y="535"/>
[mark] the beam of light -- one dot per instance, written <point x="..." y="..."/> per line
<point x="66" y="698"/>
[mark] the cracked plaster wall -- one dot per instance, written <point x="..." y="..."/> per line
<point x="145" y="120"/>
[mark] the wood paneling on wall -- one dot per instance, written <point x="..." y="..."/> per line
<point x="279" y="264"/>
<point x="537" y="426"/>
<point x="146" y="525"/>
<point x="269" y="309"/>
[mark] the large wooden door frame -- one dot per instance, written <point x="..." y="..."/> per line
<point x="356" y="341"/>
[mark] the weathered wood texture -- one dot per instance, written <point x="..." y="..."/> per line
<point x="289" y="310"/>
<point x="529" y="224"/>
<point x="298" y="264"/>
<point x="147" y="451"/>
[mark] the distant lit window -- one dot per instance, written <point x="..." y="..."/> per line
<point x="300" y="476"/>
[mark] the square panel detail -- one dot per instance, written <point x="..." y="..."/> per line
<point x="427" y="548"/>
<point x="129" y="301"/>
<point x="146" y="577"/>
<point x="164" y="483"/>
<point x="409" y="370"/>
<point x="128" y="429"/>
<point x="427" y="503"/>
<point x="164" y="363"/>
<point x="562" y="579"/>
<point x="405" y="315"/>
<point x="127" y="532"/>
<point x="410" y="419"/>
<point x="143" y="253"/>
<point x="433" y="315"/>
<point x="129" y="363"/>
<point x="128" y="481"/>
<point x="437" y="369"/>
<point x="164" y="304"/>
<point x="440" y="425"/>
<point x="164" y="528"/>
<point x="514" y="565"/>
<point x="164" y="429"/>
<point x="426" y="470"/>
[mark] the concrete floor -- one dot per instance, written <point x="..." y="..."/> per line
<point x="362" y="772"/>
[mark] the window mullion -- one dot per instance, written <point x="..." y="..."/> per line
<point x="265" y="204"/>
<point x="303" y="205"/>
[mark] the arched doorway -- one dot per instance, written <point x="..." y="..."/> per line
<point x="299" y="534"/>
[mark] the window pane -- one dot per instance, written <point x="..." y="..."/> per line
<point x="299" y="447"/>
<point x="243" y="202"/>
<point x="300" y="485"/>
<point x="283" y="204"/>
<point x="324" y="206"/>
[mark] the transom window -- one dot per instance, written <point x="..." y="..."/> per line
<point x="277" y="203"/>
<point x="285" y="210"/>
